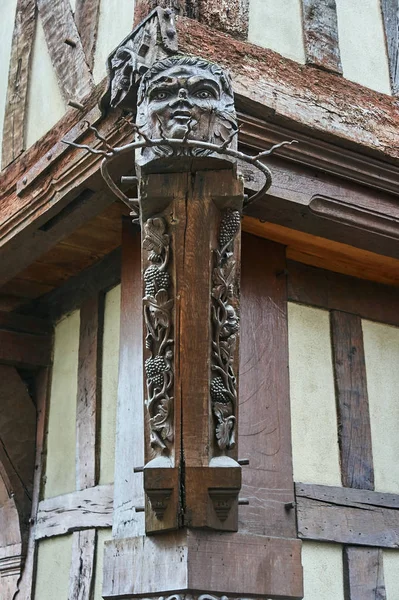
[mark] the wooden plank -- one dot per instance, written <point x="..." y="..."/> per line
<point x="89" y="392"/>
<point x="18" y="76"/>
<point x="391" y="23"/>
<point x="347" y="516"/>
<point x="364" y="574"/>
<point x="81" y="578"/>
<point x="334" y="291"/>
<point x="264" y="426"/>
<point x="24" y="349"/>
<point x="77" y="510"/>
<point x="101" y="276"/>
<point x="352" y="401"/>
<point x="87" y="13"/>
<point x="69" y="61"/>
<point x="320" y="30"/>
<point x="129" y="450"/>
<point x="25" y="323"/>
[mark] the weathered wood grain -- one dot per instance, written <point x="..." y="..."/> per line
<point x="129" y="450"/>
<point x="265" y="426"/>
<point x="74" y="78"/>
<point x="347" y="516"/>
<point x="320" y="29"/>
<point x="334" y="291"/>
<point x="89" y="392"/>
<point x="229" y="16"/>
<point x="364" y="574"/>
<point x="18" y="77"/>
<point x="87" y="13"/>
<point x="24" y="349"/>
<point x="74" y="511"/>
<point x="81" y="576"/>
<point x="391" y="24"/>
<point x="352" y="401"/>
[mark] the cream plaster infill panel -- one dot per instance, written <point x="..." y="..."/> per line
<point x="381" y="348"/>
<point x="362" y="43"/>
<point x="61" y="437"/>
<point x="53" y="565"/>
<point x="391" y="573"/>
<point x="103" y="535"/>
<point x="109" y="392"/>
<point x="313" y="408"/>
<point x="277" y="24"/>
<point x="7" y="19"/>
<point x="115" y="23"/>
<point x="323" y="576"/>
<point x="45" y="103"/>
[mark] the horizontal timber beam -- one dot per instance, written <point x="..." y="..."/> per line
<point x="24" y="349"/>
<point x="347" y="515"/>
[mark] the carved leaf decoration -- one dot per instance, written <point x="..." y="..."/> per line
<point x="155" y="239"/>
<point x="160" y="307"/>
<point x="225" y="424"/>
<point x="229" y="271"/>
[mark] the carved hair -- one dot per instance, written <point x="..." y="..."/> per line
<point x="191" y="61"/>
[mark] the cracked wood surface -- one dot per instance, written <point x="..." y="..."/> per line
<point x="18" y="77"/>
<point x="391" y="23"/>
<point x="320" y="31"/>
<point x="347" y="516"/>
<point x="87" y="13"/>
<point x="90" y="508"/>
<point x="364" y="574"/>
<point x="81" y="576"/>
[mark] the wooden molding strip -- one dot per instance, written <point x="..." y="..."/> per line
<point x="18" y="77"/>
<point x="74" y="78"/>
<point x="74" y="511"/>
<point x="391" y="24"/>
<point x="87" y="13"/>
<point x="347" y="516"/>
<point x="320" y="29"/>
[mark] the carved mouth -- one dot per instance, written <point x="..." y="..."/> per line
<point x="181" y="115"/>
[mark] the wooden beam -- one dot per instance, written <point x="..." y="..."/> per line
<point x="81" y="577"/>
<point x="391" y="24"/>
<point x="320" y="28"/>
<point x="18" y="78"/>
<point x="327" y="254"/>
<point x="25" y="324"/>
<point x="352" y="401"/>
<point x="264" y="422"/>
<point x="129" y="450"/>
<point x="24" y="349"/>
<point x="87" y="13"/>
<point x="74" y="78"/>
<point x="90" y="508"/>
<point x="364" y="574"/>
<point x="333" y="291"/>
<point x="324" y="512"/>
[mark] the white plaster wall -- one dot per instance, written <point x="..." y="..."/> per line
<point x="323" y="571"/>
<point x="102" y="536"/>
<point x="7" y="17"/>
<point x="61" y="437"/>
<point x="115" y="22"/>
<point x="313" y="410"/>
<point x="391" y="573"/>
<point x="52" y="571"/>
<point x="381" y="347"/>
<point x="277" y="24"/>
<point x="362" y="43"/>
<point x="109" y="383"/>
<point x="45" y="103"/>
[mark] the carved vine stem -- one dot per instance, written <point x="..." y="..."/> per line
<point x="225" y="327"/>
<point x="158" y="307"/>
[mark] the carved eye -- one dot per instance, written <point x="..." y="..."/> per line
<point x="204" y="94"/>
<point x="161" y="95"/>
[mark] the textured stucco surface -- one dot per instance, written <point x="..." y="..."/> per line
<point x="322" y="571"/>
<point x="103" y="535"/>
<point x="45" y="103"/>
<point x="61" y="438"/>
<point x="115" y="22"/>
<point x="7" y="16"/>
<point x="53" y="564"/>
<point x="391" y="573"/>
<point x="362" y="43"/>
<point x="313" y="410"/>
<point x="109" y="383"/>
<point x="277" y="25"/>
<point x="381" y="347"/>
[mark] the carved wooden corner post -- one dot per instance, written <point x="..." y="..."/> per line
<point x="190" y="205"/>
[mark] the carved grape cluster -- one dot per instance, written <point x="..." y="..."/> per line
<point x="229" y="227"/>
<point x="155" y="368"/>
<point x="218" y="390"/>
<point x="155" y="280"/>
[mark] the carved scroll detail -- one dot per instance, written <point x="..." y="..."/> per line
<point x="225" y="327"/>
<point x="158" y="317"/>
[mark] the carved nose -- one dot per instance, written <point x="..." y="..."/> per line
<point x="182" y="94"/>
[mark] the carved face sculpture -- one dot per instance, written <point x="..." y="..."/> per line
<point x="184" y="92"/>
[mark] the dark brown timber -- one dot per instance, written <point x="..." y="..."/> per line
<point x="24" y="349"/>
